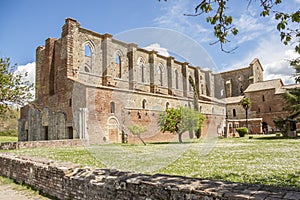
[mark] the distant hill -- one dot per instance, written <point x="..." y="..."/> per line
<point x="9" y="122"/>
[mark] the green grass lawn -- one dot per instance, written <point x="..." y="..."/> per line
<point x="262" y="160"/>
<point x="8" y="139"/>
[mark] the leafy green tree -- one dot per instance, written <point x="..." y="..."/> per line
<point x="280" y="124"/>
<point x="13" y="90"/>
<point x="246" y="103"/>
<point x="180" y="120"/>
<point x="137" y="130"/>
<point x="292" y="99"/>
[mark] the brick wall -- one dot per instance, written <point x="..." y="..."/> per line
<point x="70" y="182"/>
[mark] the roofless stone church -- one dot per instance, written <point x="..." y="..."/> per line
<point x="93" y="87"/>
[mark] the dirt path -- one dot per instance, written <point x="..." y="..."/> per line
<point x="13" y="191"/>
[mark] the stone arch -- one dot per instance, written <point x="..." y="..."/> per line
<point x="112" y="107"/>
<point x="144" y="103"/>
<point x="113" y="130"/>
<point x="89" y="44"/>
<point x="141" y="64"/>
<point x="118" y="63"/>
<point x="160" y="73"/>
<point x="176" y="79"/>
<point x="167" y="105"/>
<point x="190" y="87"/>
<point x="88" y="49"/>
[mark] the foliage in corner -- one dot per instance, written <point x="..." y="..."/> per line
<point x="13" y="90"/>
<point x="288" y="23"/>
<point x="292" y="99"/>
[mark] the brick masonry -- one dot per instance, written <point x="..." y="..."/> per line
<point x="68" y="181"/>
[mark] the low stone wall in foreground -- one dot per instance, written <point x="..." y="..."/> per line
<point x="46" y="143"/>
<point x="68" y="181"/>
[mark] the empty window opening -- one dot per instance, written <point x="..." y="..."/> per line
<point x="141" y="66"/>
<point x="190" y="84"/>
<point x="176" y="79"/>
<point x="160" y="74"/>
<point x="70" y="132"/>
<point x="234" y="112"/>
<point x="87" y="69"/>
<point x="167" y="105"/>
<point x="144" y="104"/>
<point x="46" y="133"/>
<point x="112" y="107"/>
<point x="87" y="50"/>
<point x="263" y="97"/>
<point x="118" y="65"/>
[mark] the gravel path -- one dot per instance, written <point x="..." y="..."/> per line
<point x="8" y="191"/>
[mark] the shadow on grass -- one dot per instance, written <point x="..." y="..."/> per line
<point x="174" y="142"/>
<point x="274" y="137"/>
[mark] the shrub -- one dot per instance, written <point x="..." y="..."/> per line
<point x="242" y="131"/>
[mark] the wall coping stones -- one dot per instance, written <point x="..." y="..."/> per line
<point x="48" y="143"/>
<point x="69" y="181"/>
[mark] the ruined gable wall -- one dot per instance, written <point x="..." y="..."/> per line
<point x="234" y="80"/>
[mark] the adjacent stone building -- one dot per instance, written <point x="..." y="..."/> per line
<point x="91" y="86"/>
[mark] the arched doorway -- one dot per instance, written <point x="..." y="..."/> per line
<point x="113" y="130"/>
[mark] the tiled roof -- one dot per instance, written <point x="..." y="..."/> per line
<point x="237" y="99"/>
<point x="287" y="87"/>
<point x="265" y="85"/>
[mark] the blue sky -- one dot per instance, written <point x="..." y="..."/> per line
<point x="26" y="24"/>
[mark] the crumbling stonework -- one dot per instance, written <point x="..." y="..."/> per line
<point x="68" y="181"/>
<point x="92" y="86"/>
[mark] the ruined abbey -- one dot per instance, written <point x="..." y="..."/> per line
<point x="91" y="86"/>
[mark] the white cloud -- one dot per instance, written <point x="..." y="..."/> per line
<point x="273" y="56"/>
<point x="173" y="18"/>
<point x="28" y="69"/>
<point x="297" y="1"/>
<point x="156" y="47"/>
<point x="252" y="27"/>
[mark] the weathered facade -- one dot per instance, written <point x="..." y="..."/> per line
<point x="267" y="104"/>
<point x="91" y="86"/>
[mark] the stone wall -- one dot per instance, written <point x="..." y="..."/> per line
<point x="70" y="182"/>
<point x="34" y="144"/>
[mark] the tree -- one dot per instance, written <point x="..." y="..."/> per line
<point x="246" y="103"/>
<point x="137" y="130"/>
<point x="292" y="99"/>
<point x="180" y="120"/>
<point x="13" y="90"/>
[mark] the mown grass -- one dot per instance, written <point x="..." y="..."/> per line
<point x="261" y="160"/>
<point x="8" y="139"/>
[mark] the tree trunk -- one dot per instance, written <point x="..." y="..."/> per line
<point x="180" y="137"/>
<point x="142" y="140"/>
<point x="247" y="119"/>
